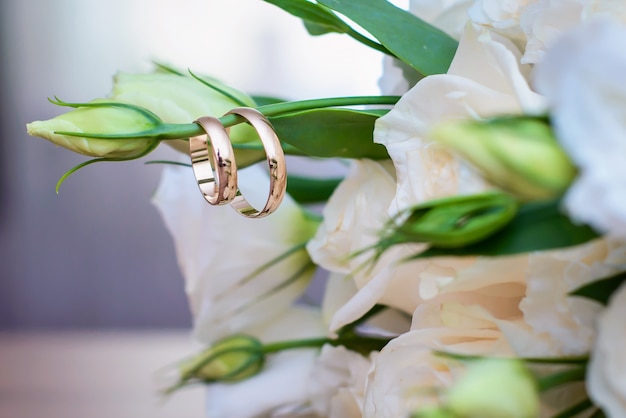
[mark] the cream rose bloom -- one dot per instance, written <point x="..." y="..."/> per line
<point x="222" y="254"/>
<point x="407" y="373"/>
<point x="353" y="216"/>
<point x="484" y="80"/>
<point x="503" y="16"/>
<point x="338" y="382"/>
<point x="568" y="322"/>
<point x="544" y="21"/>
<point x="605" y="381"/>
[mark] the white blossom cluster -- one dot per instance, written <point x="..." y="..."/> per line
<point x="565" y="57"/>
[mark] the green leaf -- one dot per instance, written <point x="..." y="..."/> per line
<point x="317" y="19"/>
<point x="602" y="289"/>
<point x="311" y="190"/>
<point x="417" y="43"/>
<point x="328" y="133"/>
<point x="262" y="100"/>
<point x="537" y="226"/>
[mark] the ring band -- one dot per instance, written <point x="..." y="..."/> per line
<point x="221" y="187"/>
<point x="275" y="161"/>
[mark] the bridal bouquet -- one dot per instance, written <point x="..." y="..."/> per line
<point x="475" y="249"/>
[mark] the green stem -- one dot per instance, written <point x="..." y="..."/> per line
<point x="178" y="131"/>
<point x="277" y="109"/>
<point x="362" y="345"/>
<point x="292" y="344"/>
<point x="571" y="375"/>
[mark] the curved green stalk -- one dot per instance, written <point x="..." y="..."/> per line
<point x="167" y="131"/>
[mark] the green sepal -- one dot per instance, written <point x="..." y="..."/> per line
<point x="74" y="169"/>
<point x="419" y="44"/>
<point x="218" y="89"/>
<point x="451" y="222"/>
<point x="537" y="226"/>
<point x="152" y="117"/>
<point x="601" y="289"/>
<point x="166" y="68"/>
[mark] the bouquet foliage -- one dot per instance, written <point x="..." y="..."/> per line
<point x="475" y="250"/>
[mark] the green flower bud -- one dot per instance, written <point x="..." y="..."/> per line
<point x="102" y="117"/>
<point x="177" y="98"/>
<point x="229" y="360"/>
<point x="518" y="154"/>
<point x="125" y="125"/>
<point x="452" y="222"/>
<point x="494" y="388"/>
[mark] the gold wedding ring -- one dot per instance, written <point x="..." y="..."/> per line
<point x="216" y="175"/>
<point x="275" y="161"/>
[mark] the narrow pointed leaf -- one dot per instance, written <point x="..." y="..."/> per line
<point x="417" y="43"/>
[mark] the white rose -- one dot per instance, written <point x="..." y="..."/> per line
<point x="502" y="16"/>
<point x="406" y="373"/>
<point x="354" y="214"/>
<point x="605" y="375"/>
<point x="338" y="381"/>
<point x="221" y="254"/>
<point x="582" y="77"/>
<point x="568" y="322"/>
<point x="484" y="80"/>
<point x="544" y="21"/>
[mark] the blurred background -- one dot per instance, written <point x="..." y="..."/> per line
<point x="90" y="292"/>
<point x="97" y="254"/>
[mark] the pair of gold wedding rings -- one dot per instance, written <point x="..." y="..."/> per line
<point x="215" y="168"/>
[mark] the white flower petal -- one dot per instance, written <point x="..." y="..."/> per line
<point x="219" y="251"/>
<point x="605" y="382"/>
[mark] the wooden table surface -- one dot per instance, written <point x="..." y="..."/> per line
<point x="92" y="375"/>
